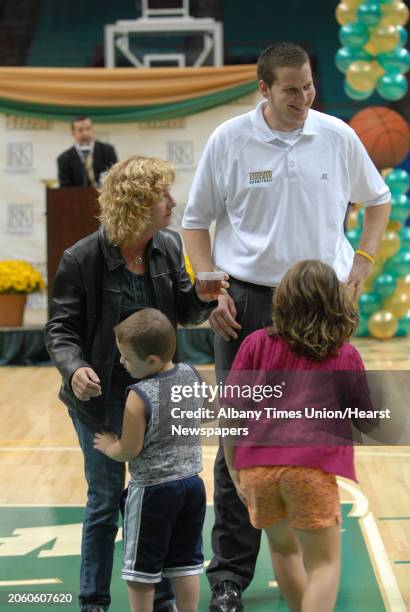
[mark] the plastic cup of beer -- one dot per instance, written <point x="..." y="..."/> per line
<point x="210" y="283"/>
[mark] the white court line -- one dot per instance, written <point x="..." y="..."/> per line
<point x="386" y="574"/>
<point x="360" y="501"/>
<point x="374" y="542"/>
<point x="30" y="582"/>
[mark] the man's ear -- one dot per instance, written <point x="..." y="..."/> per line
<point x="264" y="89"/>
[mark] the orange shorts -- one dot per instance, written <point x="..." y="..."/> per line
<point x="307" y="497"/>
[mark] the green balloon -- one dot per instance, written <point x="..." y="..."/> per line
<point x="399" y="264"/>
<point x="345" y="56"/>
<point x="369" y="303"/>
<point x="360" y="216"/>
<point x="353" y="35"/>
<point x="385" y="285"/>
<point x="362" y="329"/>
<point x="403" y="36"/>
<point x="398" y="180"/>
<point x="404" y="234"/>
<point x="356" y="95"/>
<point x="353" y="236"/>
<point x="400" y="208"/>
<point x="369" y="13"/>
<point x="397" y="60"/>
<point x="400" y="199"/>
<point x="392" y="86"/>
<point x="404" y="324"/>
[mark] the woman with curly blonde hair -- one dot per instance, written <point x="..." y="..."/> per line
<point x="132" y="262"/>
<point x="285" y="472"/>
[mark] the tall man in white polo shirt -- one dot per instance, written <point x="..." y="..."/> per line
<point x="277" y="181"/>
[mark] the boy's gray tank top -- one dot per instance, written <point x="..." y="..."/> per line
<point x="165" y="457"/>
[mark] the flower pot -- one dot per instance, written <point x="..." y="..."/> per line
<point x="12" y="309"/>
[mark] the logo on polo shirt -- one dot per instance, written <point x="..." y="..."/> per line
<point x="263" y="176"/>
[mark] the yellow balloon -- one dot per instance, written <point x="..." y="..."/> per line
<point x="398" y="304"/>
<point x="403" y="285"/>
<point x="352" y="221"/>
<point x="389" y="245"/>
<point x="393" y="225"/>
<point x="360" y="75"/>
<point x="383" y="325"/>
<point x="378" y="70"/>
<point x="352" y="3"/>
<point x="396" y="14"/>
<point x="375" y="271"/>
<point x="345" y="14"/>
<point x="370" y="48"/>
<point x="384" y="38"/>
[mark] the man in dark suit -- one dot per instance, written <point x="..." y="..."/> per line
<point x="84" y="164"/>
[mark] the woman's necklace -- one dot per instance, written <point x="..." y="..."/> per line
<point x="138" y="259"/>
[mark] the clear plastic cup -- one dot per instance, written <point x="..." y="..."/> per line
<point x="210" y="283"/>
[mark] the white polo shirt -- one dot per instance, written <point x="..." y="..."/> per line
<point x="277" y="202"/>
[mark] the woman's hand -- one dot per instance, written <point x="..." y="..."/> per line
<point x="104" y="439"/>
<point x="222" y="318"/>
<point x="85" y="384"/>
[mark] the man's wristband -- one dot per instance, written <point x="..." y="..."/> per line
<point x="366" y="255"/>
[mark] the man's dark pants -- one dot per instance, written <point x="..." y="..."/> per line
<point x="235" y="542"/>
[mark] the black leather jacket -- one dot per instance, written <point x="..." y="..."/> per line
<point x="86" y="303"/>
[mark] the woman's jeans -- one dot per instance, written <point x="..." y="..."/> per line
<point x="105" y="478"/>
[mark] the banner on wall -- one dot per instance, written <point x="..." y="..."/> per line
<point x="30" y="147"/>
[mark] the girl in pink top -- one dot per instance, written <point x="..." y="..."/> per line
<point x="290" y="488"/>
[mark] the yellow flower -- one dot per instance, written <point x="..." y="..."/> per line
<point x="189" y="268"/>
<point x="19" y="277"/>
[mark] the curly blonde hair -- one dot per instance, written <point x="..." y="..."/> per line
<point x="313" y="311"/>
<point x="130" y="188"/>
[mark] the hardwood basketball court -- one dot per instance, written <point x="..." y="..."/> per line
<point x="42" y="493"/>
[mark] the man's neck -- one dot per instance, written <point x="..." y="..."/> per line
<point x="276" y="124"/>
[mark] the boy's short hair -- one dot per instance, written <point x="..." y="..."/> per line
<point x="279" y="55"/>
<point x="148" y="332"/>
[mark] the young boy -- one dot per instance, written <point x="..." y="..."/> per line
<point x="165" y="505"/>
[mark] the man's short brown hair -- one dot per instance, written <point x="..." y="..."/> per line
<point x="80" y="118"/>
<point x="148" y="332"/>
<point x="277" y="55"/>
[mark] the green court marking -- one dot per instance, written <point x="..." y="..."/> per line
<point x="402" y="562"/>
<point x="43" y="543"/>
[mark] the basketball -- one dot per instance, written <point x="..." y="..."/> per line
<point x="384" y="133"/>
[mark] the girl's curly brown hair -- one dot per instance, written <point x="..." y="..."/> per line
<point x="313" y="311"/>
<point x="129" y="190"/>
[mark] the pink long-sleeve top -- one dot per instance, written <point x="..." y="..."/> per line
<point x="317" y="443"/>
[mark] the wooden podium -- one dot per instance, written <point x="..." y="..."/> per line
<point x="71" y="214"/>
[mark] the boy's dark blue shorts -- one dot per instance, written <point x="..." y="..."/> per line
<point x="163" y="530"/>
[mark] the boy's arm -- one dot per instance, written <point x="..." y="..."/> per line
<point x="133" y="431"/>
